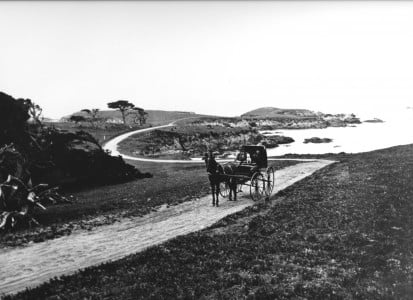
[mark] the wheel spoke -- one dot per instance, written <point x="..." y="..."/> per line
<point x="223" y="189"/>
<point x="269" y="184"/>
<point x="257" y="188"/>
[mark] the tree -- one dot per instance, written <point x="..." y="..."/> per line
<point x="140" y="115"/>
<point x="77" y="119"/>
<point x="13" y="118"/>
<point x="93" y="115"/>
<point x="34" y="110"/>
<point x="123" y="106"/>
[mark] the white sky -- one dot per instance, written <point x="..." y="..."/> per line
<point x="221" y="58"/>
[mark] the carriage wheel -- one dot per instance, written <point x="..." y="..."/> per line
<point x="269" y="184"/>
<point x="224" y="189"/>
<point x="257" y="187"/>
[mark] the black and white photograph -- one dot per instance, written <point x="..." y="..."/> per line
<point x="206" y="149"/>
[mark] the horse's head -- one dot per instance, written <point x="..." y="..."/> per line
<point x="211" y="164"/>
<point x="205" y="158"/>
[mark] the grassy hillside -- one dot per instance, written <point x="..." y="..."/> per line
<point x="154" y="117"/>
<point x="272" y="112"/>
<point x="343" y="233"/>
<point x="104" y="131"/>
<point x="101" y="133"/>
<point x="160" y="117"/>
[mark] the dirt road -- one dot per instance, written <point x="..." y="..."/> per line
<point x="37" y="263"/>
<point x="112" y="145"/>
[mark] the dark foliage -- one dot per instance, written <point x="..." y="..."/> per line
<point x="77" y="119"/>
<point x="13" y="118"/>
<point x="53" y="156"/>
<point x="78" y="158"/>
<point x="123" y="106"/>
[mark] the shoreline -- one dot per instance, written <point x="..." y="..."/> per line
<point x="381" y="136"/>
<point x="186" y="139"/>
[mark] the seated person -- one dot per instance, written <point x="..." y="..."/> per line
<point x="256" y="156"/>
<point x="243" y="158"/>
<point x="248" y="158"/>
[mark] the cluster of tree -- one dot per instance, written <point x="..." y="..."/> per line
<point x="34" y="110"/>
<point x="50" y="155"/>
<point x="92" y="116"/>
<point x="125" y="107"/>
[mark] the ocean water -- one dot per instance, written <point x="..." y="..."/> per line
<point x="396" y="130"/>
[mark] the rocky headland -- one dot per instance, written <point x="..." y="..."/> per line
<point x="193" y="137"/>
<point x="265" y="119"/>
<point x="195" y="140"/>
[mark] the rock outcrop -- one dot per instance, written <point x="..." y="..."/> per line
<point x="317" y="140"/>
<point x="375" y="120"/>
<point x="273" y="141"/>
<point x="305" y="121"/>
<point x="196" y="140"/>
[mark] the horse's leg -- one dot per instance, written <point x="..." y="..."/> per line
<point x="213" y="194"/>
<point x="212" y="184"/>
<point x="217" y="193"/>
<point x="228" y="182"/>
<point x="233" y="187"/>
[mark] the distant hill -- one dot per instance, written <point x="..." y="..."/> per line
<point x="154" y="117"/>
<point x="160" y="117"/>
<point x="273" y="112"/>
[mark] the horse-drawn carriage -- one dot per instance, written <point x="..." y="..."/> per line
<point x="250" y="169"/>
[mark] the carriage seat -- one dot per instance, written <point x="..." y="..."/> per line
<point x="246" y="169"/>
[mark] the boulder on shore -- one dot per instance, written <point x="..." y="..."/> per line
<point x="275" y="140"/>
<point x="374" y="120"/>
<point x="317" y="140"/>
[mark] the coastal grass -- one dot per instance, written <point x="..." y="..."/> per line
<point x="102" y="132"/>
<point x="343" y="233"/>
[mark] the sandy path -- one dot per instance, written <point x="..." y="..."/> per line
<point x="37" y="263"/>
<point x="112" y="145"/>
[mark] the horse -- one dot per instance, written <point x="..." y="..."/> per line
<point x="217" y="174"/>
